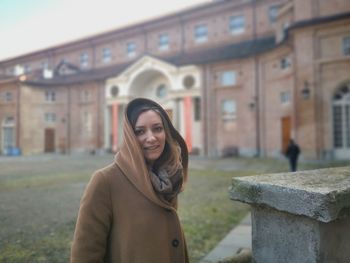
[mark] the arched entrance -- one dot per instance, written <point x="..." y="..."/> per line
<point x="341" y="122"/>
<point x="162" y="82"/>
<point x="154" y="85"/>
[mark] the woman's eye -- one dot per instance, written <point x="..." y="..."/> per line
<point x="139" y="132"/>
<point x="158" y="129"/>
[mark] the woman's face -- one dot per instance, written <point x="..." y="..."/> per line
<point x="149" y="131"/>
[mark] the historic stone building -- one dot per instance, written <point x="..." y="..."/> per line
<point x="236" y="77"/>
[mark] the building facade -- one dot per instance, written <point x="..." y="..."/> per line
<point x="236" y="77"/>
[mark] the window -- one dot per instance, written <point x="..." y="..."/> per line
<point x="228" y="78"/>
<point x="87" y="123"/>
<point x="161" y="91"/>
<point x="163" y="42"/>
<point x="201" y="33"/>
<point x="341" y="118"/>
<point x="50" y="117"/>
<point x="346" y="45"/>
<point x="197" y="108"/>
<point x="50" y="96"/>
<point x="106" y="55"/>
<point x="9" y="121"/>
<point x="131" y="49"/>
<point x="84" y="59"/>
<point x="19" y="70"/>
<point x="284" y="63"/>
<point x="27" y="69"/>
<point x="85" y="96"/>
<point x="228" y="110"/>
<point x="285" y="97"/>
<point x="44" y="65"/>
<point x="10" y="71"/>
<point x="8" y="135"/>
<point x="8" y="96"/>
<point x="273" y="10"/>
<point x="237" y="24"/>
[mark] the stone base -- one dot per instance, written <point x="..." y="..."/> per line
<point x="283" y="237"/>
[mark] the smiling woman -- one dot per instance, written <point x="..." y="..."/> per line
<point x="129" y="209"/>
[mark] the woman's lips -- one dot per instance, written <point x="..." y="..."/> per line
<point x="151" y="148"/>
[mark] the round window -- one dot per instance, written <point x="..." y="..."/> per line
<point x="161" y="91"/>
<point x="114" y="91"/>
<point x="188" y="81"/>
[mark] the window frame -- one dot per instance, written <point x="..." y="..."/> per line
<point x="226" y="80"/>
<point x="163" y="41"/>
<point x="237" y="24"/>
<point x="285" y="97"/>
<point x="106" y="55"/>
<point x="228" y="115"/>
<point x="201" y="33"/>
<point x="50" y="96"/>
<point x="272" y="13"/>
<point x="84" y="59"/>
<point x="131" y="49"/>
<point x="50" y="117"/>
<point x="8" y="96"/>
<point x="285" y="63"/>
<point x="346" y="45"/>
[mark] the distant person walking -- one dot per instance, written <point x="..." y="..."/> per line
<point x="292" y="154"/>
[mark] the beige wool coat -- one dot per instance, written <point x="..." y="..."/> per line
<point x="122" y="220"/>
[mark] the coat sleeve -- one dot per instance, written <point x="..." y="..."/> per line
<point x="93" y="223"/>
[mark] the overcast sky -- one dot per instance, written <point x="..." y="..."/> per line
<point x="31" y="25"/>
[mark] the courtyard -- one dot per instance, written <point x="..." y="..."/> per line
<point x="39" y="201"/>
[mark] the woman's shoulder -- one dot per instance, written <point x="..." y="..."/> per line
<point x="107" y="171"/>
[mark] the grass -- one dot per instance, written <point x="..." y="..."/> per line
<point x="47" y="200"/>
<point x="206" y="211"/>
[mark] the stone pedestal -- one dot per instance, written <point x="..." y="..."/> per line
<point x="301" y="217"/>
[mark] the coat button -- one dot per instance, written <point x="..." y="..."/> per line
<point x="175" y="243"/>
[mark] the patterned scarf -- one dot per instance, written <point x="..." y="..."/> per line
<point x="166" y="185"/>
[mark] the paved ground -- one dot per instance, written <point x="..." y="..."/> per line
<point x="238" y="237"/>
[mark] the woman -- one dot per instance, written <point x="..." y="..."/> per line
<point x="128" y="211"/>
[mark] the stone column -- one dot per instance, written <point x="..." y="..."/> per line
<point x="188" y="121"/>
<point x="298" y="217"/>
<point x="115" y="121"/>
<point x="107" y="129"/>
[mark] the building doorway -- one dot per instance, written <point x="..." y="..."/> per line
<point x="8" y="135"/>
<point x="341" y="122"/>
<point x="286" y="132"/>
<point x="49" y="140"/>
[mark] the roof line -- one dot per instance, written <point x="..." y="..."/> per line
<point x="319" y="20"/>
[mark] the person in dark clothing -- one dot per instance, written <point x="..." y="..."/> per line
<point x="292" y="154"/>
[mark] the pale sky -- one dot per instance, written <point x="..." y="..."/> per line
<point x="31" y="25"/>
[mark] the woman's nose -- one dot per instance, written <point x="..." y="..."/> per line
<point x="150" y="137"/>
